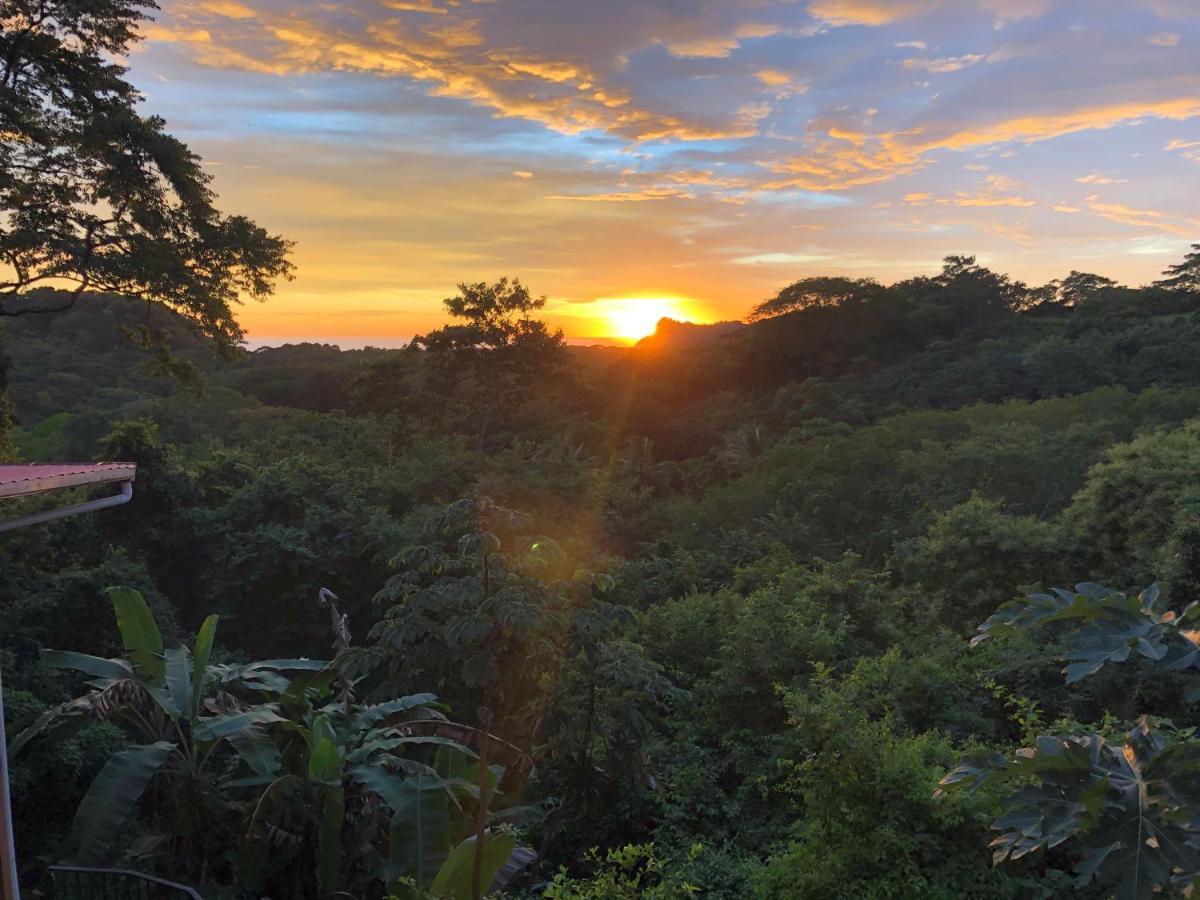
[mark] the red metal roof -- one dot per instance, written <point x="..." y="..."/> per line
<point x="17" y="480"/>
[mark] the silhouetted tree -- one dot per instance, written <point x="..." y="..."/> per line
<point x="98" y="198"/>
<point x="1184" y="276"/>
<point x="1079" y="286"/>
<point x="495" y="355"/>
<point x="818" y="291"/>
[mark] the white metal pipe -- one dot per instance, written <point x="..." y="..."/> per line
<point x="51" y="514"/>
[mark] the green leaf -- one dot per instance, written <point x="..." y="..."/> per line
<point x="179" y="682"/>
<point x="299" y="686"/>
<point x="329" y="840"/>
<point x="255" y="746"/>
<point x="387" y="744"/>
<point x="368" y="716"/>
<point x="325" y="762"/>
<point x="100" y="820"/>
<point x="301" y="664"/>
<point x="324" y="754"/>
<point x="112" y="669"/>
<point x="1105" y="627"/>
<point x="218" y="727"/>
<point x="419" y="835"/>
<point x="204" y="645"/>
<point x="1126" y="814"/>
<point x="454" y="879"/>
<point x="139" y="632"/>
<point x="322" y="728"/>
<point x="61" y="722"/>
<point x="452" y="762"/>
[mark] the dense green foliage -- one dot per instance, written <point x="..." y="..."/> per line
<point x="708" y="602"/>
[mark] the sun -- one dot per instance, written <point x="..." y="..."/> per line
<point x="633" y="318"/>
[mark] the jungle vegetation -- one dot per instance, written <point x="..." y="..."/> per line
<point x="738" y="615"/>
<point x="772" y="609"/>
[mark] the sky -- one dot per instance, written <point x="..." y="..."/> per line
<point x="635" y="158"/>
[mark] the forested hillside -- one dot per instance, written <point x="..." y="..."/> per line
<point x="710" y="600"/>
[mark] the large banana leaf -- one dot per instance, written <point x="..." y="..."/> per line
<point x="419" y="835"/>
<point x="368" y="716"/>
<point x="115" y="791"/>
<point x="97" y="667"/>
<point x="391" y="740"/>
<point x="219" y="727"/>
<point x="300" y="664"/>
<point x="255" y="746"/>
<point x="329" y="840"/>
<point x="453" y="881"/>
<point x="266" y="676"/>
<point x="139" y="632"/>
<point x="61" y="721"/>
<point x="299" y="686"/>
<point x="178" y="694"/>
<point x="204" y="645"/>
<point x="324" y="753"/>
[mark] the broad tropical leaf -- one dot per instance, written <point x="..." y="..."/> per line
<point x="204" y="645"/>
<point x="219" y="727"/>
<point x="369" y="716"/>
<point x="61" y="721"/>
<point x="97" y="667"/>
<point x="179" y="681"/>
<point x="1108" y="627"/>
<point x="1133" y="811"/>
<point x="139" y="632"/>
<point x="255" y="746"/>
<point x="324" y="754"/>
<point x="300" y="664"/>
<point x="453" y="881"/>
<point x="329" y="840"/>
<point x="111" y="798"/>
<point x="419" y="834"/>
<point x="391" y="739"/>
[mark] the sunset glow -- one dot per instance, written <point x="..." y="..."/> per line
<point x="711" y="149"/>
<point x="632" y="318"/>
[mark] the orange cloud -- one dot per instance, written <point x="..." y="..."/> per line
<point x="558" y="93"/>
<point x="884" y="12"/>
<point x="1145" y="218"/>
<point x="944" y="65"/>
<point x="987" y="197"/>
<point x="639" y="196"/>
<point x="846" y="158"/>
<point x="867" y="12"/>
<point x="1164" y="39"/>
<point x="227" y="8"/>
<point x="1100" y="179"/>
<point x="780" y="83"/>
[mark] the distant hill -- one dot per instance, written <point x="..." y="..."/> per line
<point x="84" y="361"/>
<point x="673" y="335"/>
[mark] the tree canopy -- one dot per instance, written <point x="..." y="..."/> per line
<point x="95" y="196"/>
<point x="1183" y="276"/>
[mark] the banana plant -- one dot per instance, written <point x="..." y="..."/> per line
<point x="197" y="730"/>
<point x="376" y="797"/>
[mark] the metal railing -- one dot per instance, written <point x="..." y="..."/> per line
<point x="82" y="883"/>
